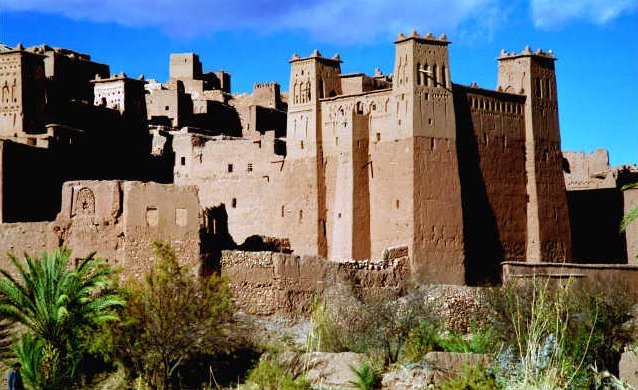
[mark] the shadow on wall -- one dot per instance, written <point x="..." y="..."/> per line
<point x="483" y="249"/>
<point x="595" y="217"/>
<point x="214" y="238"/>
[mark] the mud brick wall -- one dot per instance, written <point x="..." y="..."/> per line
<point x="269" y="283"/>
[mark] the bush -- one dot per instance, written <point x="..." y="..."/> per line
<point x="539" y="356"/>
<point x="422" y="339"/>
<point x="596" y="323"/>
<point x="368" y="376"/>
<point x="270" y="375"/>
<point x="173" y="318"/>
<point x="376" y="324"/>
<point x="472" y="378"/>
<point x="429" y="336"/>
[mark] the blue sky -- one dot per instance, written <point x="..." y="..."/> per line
<point x="596" y="42"/>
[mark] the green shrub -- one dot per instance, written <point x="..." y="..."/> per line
<point x="368" y="377"/>
<point x="428" y="337"/>
<point x="269" y="375"/>
<point x="472" y="378"/>
<point x="481" y="340"/>
<point x="539" y="357"/>
<point x="421" y="340"/>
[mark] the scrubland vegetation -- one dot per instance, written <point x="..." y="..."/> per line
<point x="72" y="325"/>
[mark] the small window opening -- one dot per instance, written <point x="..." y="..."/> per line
<point x="282" y="211"/>
<point x="301" y="144"/>
<point x="249" y="167"/>
<point x="182" y="161"/>
<point x="165" y="108"/>
<point x="230" y="168"/>
<point x="300" y="215"/>
<point x="233" y="203"/>
<point x="397" y="203"/>
<point x="339" y="215"/>
<point x="378" y="137"/>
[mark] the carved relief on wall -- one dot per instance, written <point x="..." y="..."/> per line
<point x="84" y="203"/>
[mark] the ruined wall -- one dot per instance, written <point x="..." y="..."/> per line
<point x="491" y="139"/>
<point x="241" y="176"/>
<point x="588" y="171"/>
<point x="267" y="283"/>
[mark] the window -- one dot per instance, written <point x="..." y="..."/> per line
<point x="443" y="77"/>
<point x="249" y="167"/>
<point x="300" y="215"/>
<point x="397" y="204"/>
<point x="181" y="217"/>
<point x="152" y="216"/>
<point x="230" y="168"/>
<point x="378" y="137"/>
<point x="282" y="211"/>
<point x="301" y="145"/>
<point x="182" y="160"/>
<point x="165" y="108"/>
<point x="233" y="203"/>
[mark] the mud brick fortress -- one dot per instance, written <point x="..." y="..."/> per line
<point x="380" y="175"/>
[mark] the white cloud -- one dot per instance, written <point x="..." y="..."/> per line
<point x="555" y="13"/>
<point x="356" y="21"/>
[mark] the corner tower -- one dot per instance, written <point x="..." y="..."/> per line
<point x="424" y="114"/>
<point x="311" y="78"/>
<point x="534" y="75"/>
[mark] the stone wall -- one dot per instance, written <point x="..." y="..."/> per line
<point x="269" y="283"/>
<point x="594" y="277"/>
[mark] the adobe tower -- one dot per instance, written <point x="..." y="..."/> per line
<point x="548" y="231"/>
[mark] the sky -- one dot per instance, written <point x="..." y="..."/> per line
<point x="595" y="41"/>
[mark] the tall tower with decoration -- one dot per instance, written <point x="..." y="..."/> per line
<point x="533" y="74"/>
<point x="424" y="113"/>
<point x="311" y="79"/>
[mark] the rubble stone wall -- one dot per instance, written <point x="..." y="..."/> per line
<point x="269" y="283"/>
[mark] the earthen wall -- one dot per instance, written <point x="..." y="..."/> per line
<point x="491" y="139"/>
<point x="267" y="283"/>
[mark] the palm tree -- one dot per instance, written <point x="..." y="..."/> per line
<point x="56" y="303"/>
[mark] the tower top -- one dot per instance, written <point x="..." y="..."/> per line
<point x="316" y="55"/>
<point x="428" y="38"/>
<point x="527" y="52"/>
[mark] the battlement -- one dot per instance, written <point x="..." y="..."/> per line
<point x="427" y="38"/>
<point x="271" y="86"/>
<point x="316" y="55"/>
<point x="527" y="52"/>
<point x="45" y="49"/>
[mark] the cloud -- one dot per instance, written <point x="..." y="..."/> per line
<point x="355" y="21"/>
<point x="345" y="21"/>
<point x="553" y="14"/>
